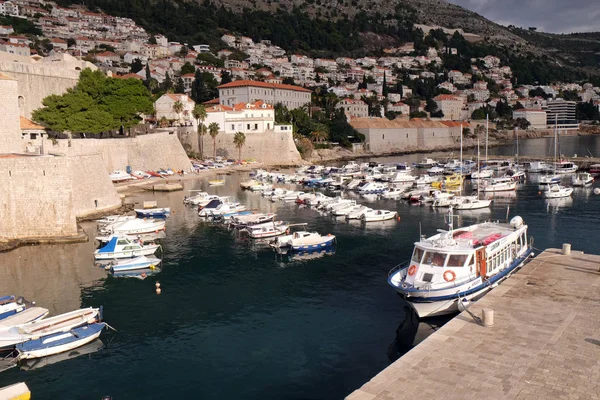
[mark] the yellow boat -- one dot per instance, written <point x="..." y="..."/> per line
<point x="216" y="182"/>
<point x="18" y="391"/>
<point x="449" y="182"/>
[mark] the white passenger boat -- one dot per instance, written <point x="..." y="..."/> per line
<point x="583" y="179"/>
<point x="134" y="227"/>
<point x="499" y="185"/>
<point x="459" y="266"/>
<point x="378" y="215"/>
<point x="124" y="247"/>
<point x="60" y="323"/>
<point x="557" y="191"/>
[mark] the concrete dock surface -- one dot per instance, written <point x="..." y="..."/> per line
<point x="544" y="344"/>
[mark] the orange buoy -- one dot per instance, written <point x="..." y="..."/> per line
<point x="398" y="218"/>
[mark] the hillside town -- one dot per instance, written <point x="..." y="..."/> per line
<point x="401" y="84"/>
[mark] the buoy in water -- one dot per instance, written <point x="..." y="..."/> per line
<point x="158" y="291"/>
<point x="398" y="218"/>
<point x="539" y="192"/>
<point x="157" y="284"/>
<point x="597" y="191"/>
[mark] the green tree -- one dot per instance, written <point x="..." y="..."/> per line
<point x="187" y="68"/>
<point x="431" y="106"/>
<point x="136" y="66"/>
<point x="213" y="131"/>
<point x="180" y="86"/>
<point x="199" y="93"/>
<point x="199" y="113"/>
<point x="96" y="104"/>
<point x="385" y="88"/>
<point x="178" y="109"/>
<point x="239" y="139"/>
<point x="167" y="84"/>
<point x="209" y="59"/>
<point x="225" y="77"/>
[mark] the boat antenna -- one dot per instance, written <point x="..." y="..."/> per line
<point x="420" y="234"/>
<point x="507" y="211"/>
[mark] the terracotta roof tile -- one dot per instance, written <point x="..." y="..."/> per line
<point x="246" y="82"/>
<point x="28" y="124"/>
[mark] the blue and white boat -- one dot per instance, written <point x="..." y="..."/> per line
<point x="449" y="270"/>
<point x="142" y="262"/>
<point x="373" y="188"/>
<point x="11" y="305"/>
<point x="59" y="342"/>
<point x="304" y="241"/>
<point x="124" y="247"/>
<point x="153" y="212"/>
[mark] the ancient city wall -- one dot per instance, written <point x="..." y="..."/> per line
<point x="269" y="147"/>
<point x="36" y="199"/>
<point x="146" y="152"/>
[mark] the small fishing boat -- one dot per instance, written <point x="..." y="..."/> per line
<point x="133" y="227"/>
<point x="426" y="163"/>
<point x="210" y="207"/>
<point x="153" y="212"/>
<point x="449" y="270"/>
<point x="242" y="221"/>
<point x="557" y="191"/>
<point x="583" y="179"/>
<point x="60" y="342"/>
<point x="303" y="240"/>
<point x="124" y="247"/>
<point x="18" y="391"/>
<point x="120" y="176"/>
<point x="373" y="188"/>
<point x="11" y="305"/>
<point x="378" y="215"/>
<point x="499" y="185"/>
<point x="471" y="203"/>
<point x="29" y="315"/>
<point x="112" y="219"/>
<point x="47" y="326"/>
<point x="357" y="213"/>
<point x="216" y="182"/>
<point x="141" y="262"/>
<point x="267" y="229"/>
<point x="565" y="167"/>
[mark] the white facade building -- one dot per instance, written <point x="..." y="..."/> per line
<point x="164" y="108"/>
<point x="247" y="91"/>
<point x="536" y="117"/>
<point x="257" y="117"/>
<point x="354" y="108"/>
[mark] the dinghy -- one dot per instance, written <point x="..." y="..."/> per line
<point x="60" y="323"/>
<point x="142" y="262"/>
<point x="123" y="247"/>
<point x="267" y="230"/>
<point x="153" y="212"/>
<point x="59" y="342"/>
<point x="11" y="305"/>
<point x="378" y="215"/>
<point x="24" y="317"/>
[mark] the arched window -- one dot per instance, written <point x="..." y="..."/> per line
<point x="22" y="105"/>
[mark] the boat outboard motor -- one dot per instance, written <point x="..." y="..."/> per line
<point x="20" y="300"/>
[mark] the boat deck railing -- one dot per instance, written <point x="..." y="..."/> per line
<point x="398" y="267"/>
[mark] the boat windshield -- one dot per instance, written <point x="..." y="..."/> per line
<point x="417" y="255"/>
<point x="457" y="260"/>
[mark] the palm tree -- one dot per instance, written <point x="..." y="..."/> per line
<point x="178" y="109"/>
<point x="199" y="112"/>
<point x="213" y="130"/>
<point x="319" y="135"/>
<point x="239" y="140"/>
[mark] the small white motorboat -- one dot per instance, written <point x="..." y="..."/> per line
<point x="60" y="323"/>
<point x="222" y="209"/>
<point x="134" y="227"/>
<point x="378" y="215"/>
<point x="345" y="209"/>
<point x="120" y="176"/>
<point x="241" y="221"/>
<point x="471" y="203"/>
<point x="303" y="240"/>
<point x="549" y="179"/>
<point x="11" y="305"/>
<point x="59" y="342"/>
<point x="557" y="191"/>
<point x="267" y="229"/>
<point x="163" y="212"/>
<point x="499" y="185"/>
<point x="393" y="193"/>
<point x="373" y="188"/>
<point x="111" y="219"/>
<point x="124" y="247"/>
<point x="583" y="179"/>
<point x="357" y="213"/>
<point x="426" y="163"/>
<point x="141" y="262"/>
<point x="435" y="170"/>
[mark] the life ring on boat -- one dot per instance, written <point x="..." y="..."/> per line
<point x="449" y="276"/>
<point x="412" y="270"/>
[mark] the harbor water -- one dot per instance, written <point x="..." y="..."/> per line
<point x="237" y="321"/>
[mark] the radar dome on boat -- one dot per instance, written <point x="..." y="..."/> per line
<point x="516" y="222"/>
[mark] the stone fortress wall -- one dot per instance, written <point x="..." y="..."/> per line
<point x="276" y="148"/>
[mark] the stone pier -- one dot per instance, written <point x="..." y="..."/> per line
<point x="544" y="343"/>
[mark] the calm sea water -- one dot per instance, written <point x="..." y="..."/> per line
<point x="235" y="321"/>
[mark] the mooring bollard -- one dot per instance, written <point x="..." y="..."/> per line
<point x="566" y="250"/>
<point x="488" y="317"/>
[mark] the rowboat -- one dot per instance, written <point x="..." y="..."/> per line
<point x="153" y="212"/>
<point x="24" y="317"/>
<point x="60" y="323"/>
<point x="142" y="262"/>
<point x="59" y="342"/>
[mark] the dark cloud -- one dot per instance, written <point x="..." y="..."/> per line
<point x="557" y="16"/>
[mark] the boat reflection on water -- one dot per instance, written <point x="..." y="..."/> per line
<point x="36" y="363"/>
<point x="502" y="197"/>
<point x="374" y="226"/>
<point x="411" y="332"/>
<point x="557" y="204"/>
<point x="285" y="256"/>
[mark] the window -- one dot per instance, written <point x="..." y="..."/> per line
<point x="248" y="126"/>
<point x="434" y="258"/>
<point x="383" y="136"/>
<point x="457" y="260"/>
<point x="232" y="127"/>
<point x="255" y="127"/>
<point x="268" y="125"/>
<point x="417" y="255"/>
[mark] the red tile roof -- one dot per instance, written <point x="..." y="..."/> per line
<point x="213" y="101"/>
<point x="128" y="76"/>
<point x="246" y="82"/>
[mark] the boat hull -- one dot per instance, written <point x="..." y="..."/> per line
<point x="60" y="342"/>
<point x="328" y="242"/>
<point x="151" y="249"/>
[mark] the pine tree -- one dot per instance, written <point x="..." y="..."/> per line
<point x="384" y="91"/>
<point x="225" y="77"/>
<point x="180" y="86"/>
<point x="148" y="75"/>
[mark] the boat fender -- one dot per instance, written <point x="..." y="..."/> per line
<point x="412" y="270"/>
<point x="449" y="276"/>
<point x="152" y="267"/>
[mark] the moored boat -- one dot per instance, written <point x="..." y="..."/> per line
<point x="29" y="315"/>
<point x="458" y="266"/>
<point x="133" y="227"/>
<point x="124" y="247"/>
<point x="141" y="262"/>
<point x="163" y="212"/>
<point x="378" y="215"/>
<point x="557" y="191"/>
<point x="582" y="179"/>
<point x="11" y="305"/>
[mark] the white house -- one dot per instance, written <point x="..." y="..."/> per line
<point x="354" y="108"/>
<point x="536" y="117"/>
<point x="257" y="117"/>
<point x="9" y="8"/>
<point x="15" y="48"/>
<point x="131" y="57"/>
<point x="164" y="108"/>
<point x="450" y="105"/>
<point x="248" y="91"/>
<point x="400" y="107"/>
<point x="6" y="29"/>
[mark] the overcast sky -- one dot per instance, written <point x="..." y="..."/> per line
<point x="559" y="16"/>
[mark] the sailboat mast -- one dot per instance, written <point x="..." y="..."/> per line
<point x="487" y="127"/>
<point x="461" y="158"/>
<point x="517" y="134"/>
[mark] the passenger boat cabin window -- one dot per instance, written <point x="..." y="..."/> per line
<point x="434" y="258"/>
<point x="122" y="242"/>
<point x="417" y="255"/>
<point x="457" y="260"/>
